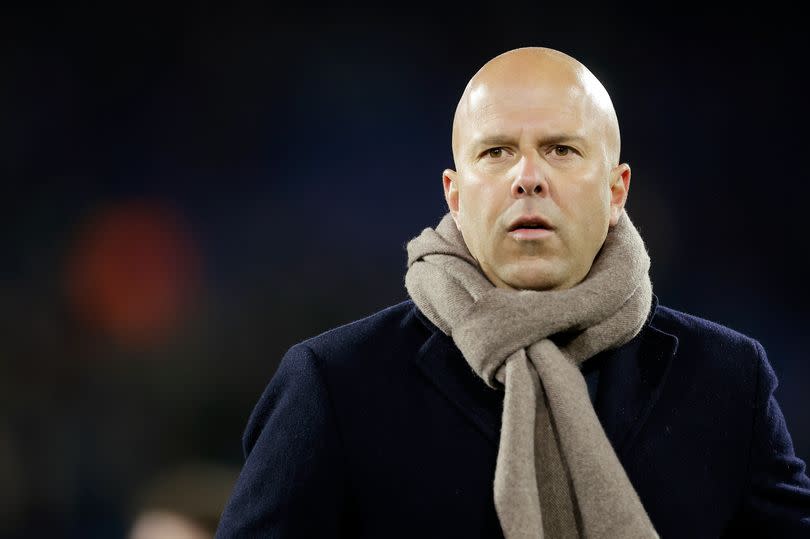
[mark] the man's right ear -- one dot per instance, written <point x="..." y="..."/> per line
<point x="450" y="181"/>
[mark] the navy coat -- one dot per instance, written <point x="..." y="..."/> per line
<point x="379" y="428"/>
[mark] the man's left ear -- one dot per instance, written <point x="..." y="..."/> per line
<point x="619" y="189"/>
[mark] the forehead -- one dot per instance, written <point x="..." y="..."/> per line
<point x="533" y="107"/>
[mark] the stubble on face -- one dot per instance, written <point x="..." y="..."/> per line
<point x="531" y="83"/>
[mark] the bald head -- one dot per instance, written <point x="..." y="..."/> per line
<point x="551" y="78"/>
<point x="535" y="134"/>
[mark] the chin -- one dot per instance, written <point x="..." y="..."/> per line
<point x="531" y="279"/>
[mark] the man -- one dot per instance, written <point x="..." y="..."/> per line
<point x="532" y="386"/>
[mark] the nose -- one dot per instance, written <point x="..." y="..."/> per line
<point x="529" y="179"/>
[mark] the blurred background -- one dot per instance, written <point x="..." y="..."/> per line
<point x="189" y="192"/>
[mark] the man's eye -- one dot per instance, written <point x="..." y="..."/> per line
<point x="562" y="151"/>
<point x="495" y="153"/>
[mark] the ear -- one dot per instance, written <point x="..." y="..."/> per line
<point x="619" y="189"/>
<point x="450" y="181"/>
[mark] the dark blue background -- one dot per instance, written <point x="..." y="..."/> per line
<point x="303" y="148"/>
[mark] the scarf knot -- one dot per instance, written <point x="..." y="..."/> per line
<point x="556" y="473"/>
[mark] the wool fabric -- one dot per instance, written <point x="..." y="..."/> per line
<point x="556" y="475"/>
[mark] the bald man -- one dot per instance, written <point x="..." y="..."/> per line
<point x="532" y="385"/>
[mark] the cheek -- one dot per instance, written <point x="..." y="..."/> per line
<point x="586" y="197"/>
<point x="479" y="197"/>
<point x="593" y="215"/>
<point x="479" y="209"/>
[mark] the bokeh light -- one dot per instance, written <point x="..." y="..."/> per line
<point x="132" y="271"/>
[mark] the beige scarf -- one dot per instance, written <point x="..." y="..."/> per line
<point x="556" y="473"/>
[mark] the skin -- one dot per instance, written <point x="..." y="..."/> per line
<point x="166" y="525"/>
<point x="553" y="150"/>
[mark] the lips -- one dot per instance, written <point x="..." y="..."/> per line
<point x="531" y="228"/>
<point x="530" y="222"/>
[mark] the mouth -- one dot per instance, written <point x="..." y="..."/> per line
<point x="527" y="234"/>
<point x="530" y="227"/>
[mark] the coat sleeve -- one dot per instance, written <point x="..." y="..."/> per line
<point x="292" y="482"/>
<point x="777" y="500"/>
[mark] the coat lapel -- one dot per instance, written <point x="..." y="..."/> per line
<point x="445" y="367"/>
<point x="630" y="380"/>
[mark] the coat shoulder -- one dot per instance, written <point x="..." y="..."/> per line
<point x="689" y="326"/>
<point x="393" y="329"/>
<point x="711" y="347"/>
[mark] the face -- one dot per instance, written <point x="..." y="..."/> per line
<point x="538" y="149"/>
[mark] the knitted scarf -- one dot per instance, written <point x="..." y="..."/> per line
<point x="556" y="474"/>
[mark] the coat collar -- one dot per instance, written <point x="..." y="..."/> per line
<point x="630" y="381"/>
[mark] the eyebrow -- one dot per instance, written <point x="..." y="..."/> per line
<point x="506" y="140"/>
